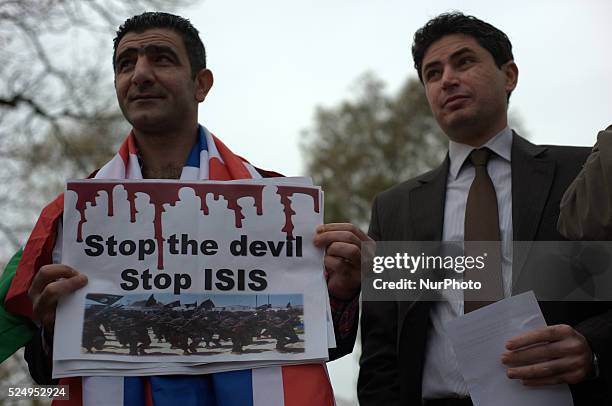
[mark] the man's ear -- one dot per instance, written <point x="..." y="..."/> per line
<point x="511" y="73"/>
<point x="203" y="81"/>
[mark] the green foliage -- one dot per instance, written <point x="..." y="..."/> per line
<point x="366" y="145"/>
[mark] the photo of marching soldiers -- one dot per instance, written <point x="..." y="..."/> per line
<point x="160" y="324"/>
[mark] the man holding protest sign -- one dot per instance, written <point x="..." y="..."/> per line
<point x="160" y="78"/>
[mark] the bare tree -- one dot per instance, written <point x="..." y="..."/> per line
<point x="58" y="114"/>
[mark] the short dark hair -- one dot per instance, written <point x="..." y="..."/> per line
<point x="490" y="38"/>
<point x="150" y="20"/>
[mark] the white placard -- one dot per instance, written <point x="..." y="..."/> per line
<point x="192" y="273"/>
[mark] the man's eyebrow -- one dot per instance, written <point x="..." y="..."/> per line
<point x="460" y="52"/>
<point x="454" y="55"/>
<point x="152" y="48"/>
<point x="160" y="49"/>
<point x="431" y="64"/>
<point x="126" y="52"/>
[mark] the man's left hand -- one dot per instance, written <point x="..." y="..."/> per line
<point x="342" y="244"/>
<point x="548" y="356"/>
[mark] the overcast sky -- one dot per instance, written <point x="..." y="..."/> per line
<point x="275" y="60"/>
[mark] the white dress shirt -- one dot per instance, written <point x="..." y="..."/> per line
<point x="441" y="376"/>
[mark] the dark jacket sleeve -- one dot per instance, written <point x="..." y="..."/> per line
<point x="345" y="342"/>
<point x="378" y="374"/>
<point x="39" y="363"/>
<point x="598" y="332"/>
<point x="586" y="214"/>
<point x="586" y="207"/>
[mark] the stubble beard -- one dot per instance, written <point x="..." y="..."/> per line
<point x="473" y="127"/>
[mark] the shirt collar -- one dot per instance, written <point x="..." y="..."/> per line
<point x="501" y="144"/>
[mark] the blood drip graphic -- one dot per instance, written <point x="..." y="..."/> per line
<point x="167" y="193"/>
<point x="87" y="193"/>
<point x="158" y="196"/>
<point x="285" y="192"/>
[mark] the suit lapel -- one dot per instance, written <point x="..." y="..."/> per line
<point x="426" y="214"/>
<point x="532" y="176"/>
<point x="427" y="205"/>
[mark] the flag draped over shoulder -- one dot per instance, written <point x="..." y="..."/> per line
<point x="15" y="331"/>
<point x="294" y="385"/>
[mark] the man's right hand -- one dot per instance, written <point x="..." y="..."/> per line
<point x="49" y="284"/>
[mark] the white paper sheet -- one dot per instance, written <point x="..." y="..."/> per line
<point x="62" y="369"/>
<point x="479" y="340"/>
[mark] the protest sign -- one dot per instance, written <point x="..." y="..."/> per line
<point x="192" y="273"/>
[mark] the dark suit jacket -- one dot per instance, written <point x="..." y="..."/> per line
<point x="394" y="333"/>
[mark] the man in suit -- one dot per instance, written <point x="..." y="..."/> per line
<point x="467" y="68"/>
